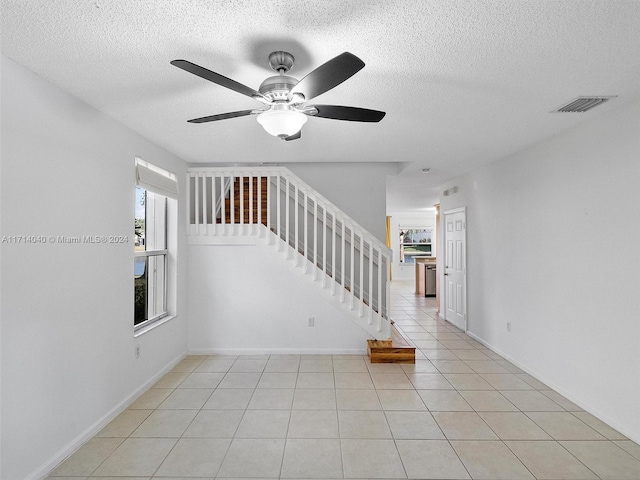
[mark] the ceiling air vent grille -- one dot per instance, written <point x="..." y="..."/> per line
<point x="582" y="104"/>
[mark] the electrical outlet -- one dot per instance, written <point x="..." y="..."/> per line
<point x="312" y="321"/>
<point x="137" y="351"/>
<point x="508" y="326"/>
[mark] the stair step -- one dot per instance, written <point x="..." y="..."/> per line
<point x="398" y="349"/>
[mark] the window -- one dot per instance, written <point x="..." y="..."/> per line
<point x="154" y="189"/>
<point x="414" y="242"/>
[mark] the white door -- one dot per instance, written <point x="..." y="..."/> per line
<point x="455" y="267"/>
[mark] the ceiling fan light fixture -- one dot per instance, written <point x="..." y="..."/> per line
<point x="281" y="121"/>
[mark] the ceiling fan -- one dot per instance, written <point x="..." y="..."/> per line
<point x="284" y="97"/>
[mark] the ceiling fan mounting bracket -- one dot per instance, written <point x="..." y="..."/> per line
<point x="281" y="61"/>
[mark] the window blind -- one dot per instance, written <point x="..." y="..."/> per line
<point x="156" y="179"/>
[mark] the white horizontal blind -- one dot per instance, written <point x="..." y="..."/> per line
<point x="156" y="179"/>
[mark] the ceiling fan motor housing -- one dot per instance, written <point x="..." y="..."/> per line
<point x="277" y="87"/>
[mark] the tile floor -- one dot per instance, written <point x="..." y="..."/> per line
<point x="460" y="412"/>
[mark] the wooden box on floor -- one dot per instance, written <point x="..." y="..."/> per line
<point x="396" y="350"/>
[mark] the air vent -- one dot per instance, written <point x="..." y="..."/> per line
<point x="582" y="104"/>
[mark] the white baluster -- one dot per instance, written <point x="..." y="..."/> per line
<point x="306" y="231"/>
<point x="370" y="292"/>
<point x="361" y="284"/>
<point x="296" y="225"/>
<point x="315" y="237"/>
<point x="278" y="214"/>
<point x="334" y="273"/>
<point x="351" y="272"/>
<point x="324" y="245"/>
<point x="259" y="205"/>
<point x="287" y="199"/>
<point x="343" y="256"/>
<point x="250" y="219"/>
<point x="197" y="203"/>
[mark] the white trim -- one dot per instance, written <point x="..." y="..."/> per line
<point x="552" y="386"/>
<point x="98" y="425"/>
<point x="444" y="256"/>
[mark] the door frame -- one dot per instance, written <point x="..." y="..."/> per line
<point x="462" y="210"/>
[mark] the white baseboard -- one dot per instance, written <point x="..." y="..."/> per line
<point x="278" y="351"/>
<point x="587" y="408"/>
<point x="97" y="426"/>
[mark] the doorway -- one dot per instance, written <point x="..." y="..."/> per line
<point x="455" y="267"/>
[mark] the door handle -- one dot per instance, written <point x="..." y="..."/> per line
<point x="446" y="274"/>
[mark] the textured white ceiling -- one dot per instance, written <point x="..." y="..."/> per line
<point x="463" y="82"/>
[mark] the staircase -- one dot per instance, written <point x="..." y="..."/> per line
<point x="275" y="206"/>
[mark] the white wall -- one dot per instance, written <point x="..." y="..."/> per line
<point x="249" y="299"/>
<point x="358" y="189"/>
<point x="425" y="219"/>
<point x="67" y="309"/>
<point x="552" y="241"/>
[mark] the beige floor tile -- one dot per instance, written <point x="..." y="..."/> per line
<point x="444" y="401"/>
<point x="278" y="380"/>
<point x="421" y="366"/>
<point x="240" y="380"/>
<point x="264" y="424"/>
<point x="441" y="355"/>
<point x="431" y="459"/>
<point x="429" y="381"/>
<point x="358" y="400"/>
<point x="486" y="366"/>
<point x="349" y="366"/>
<point x="186" y="399"/>
<point x="216" y="364"/>
<point x="506" y="381"/>
<point x="534" y="382"/>
<point x="283" y="364"/>
<point x="88" y="457"/>
<point x="316" y="363"/>
<point x="312" y="399"/>
<point x="463" y="426"/>
<point x="452" y="366"/>
<point x="467" y="381"/>
<point x="531" y="401"/>
<point x="599" y="426"/>
<point x="171" y="380"/>
<point x="508" y="365"/>
<point x="384" y="368"/>
<point x="214" y="424"/>
<point x="136" y="457"/>
<point x="564" y="426"/>
<point x="253" y="458"/>
<point x="313" y="424"/>
<point x="457" y="345"/>
<point x="363" y="424"/>
<point x="401" y="400"/>
<point x="371" y="459"/>
<point x="151" y="398"/>
<point x="194" y="457"/>
<point x="315" y="380"/>
<point x="562" y="401"/>
<point x="472" y="354"/>
<point x="125" y="423"/>
<point x="229" y="399"/>
<point x="513" y="426"/>
<point x="550" y="461"/>
<point x="350" y="380"/>
<point x="413" y="426"/>
<point x="391" y="381"/>
<point x="488" y="401"/>
<point x="428" y="344"/>
<point x="202" y="380"/>
<point x="165" y="423"/>
<point x="312" y="458"/>
<point x="630" y="447"/>
<point x="188" y="364"/>
<point x="243" y="365"/>
<point x="490" y="461"/>
<point x="605" y="459"/>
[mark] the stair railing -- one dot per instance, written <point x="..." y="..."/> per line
<point x="309" y="229"/>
